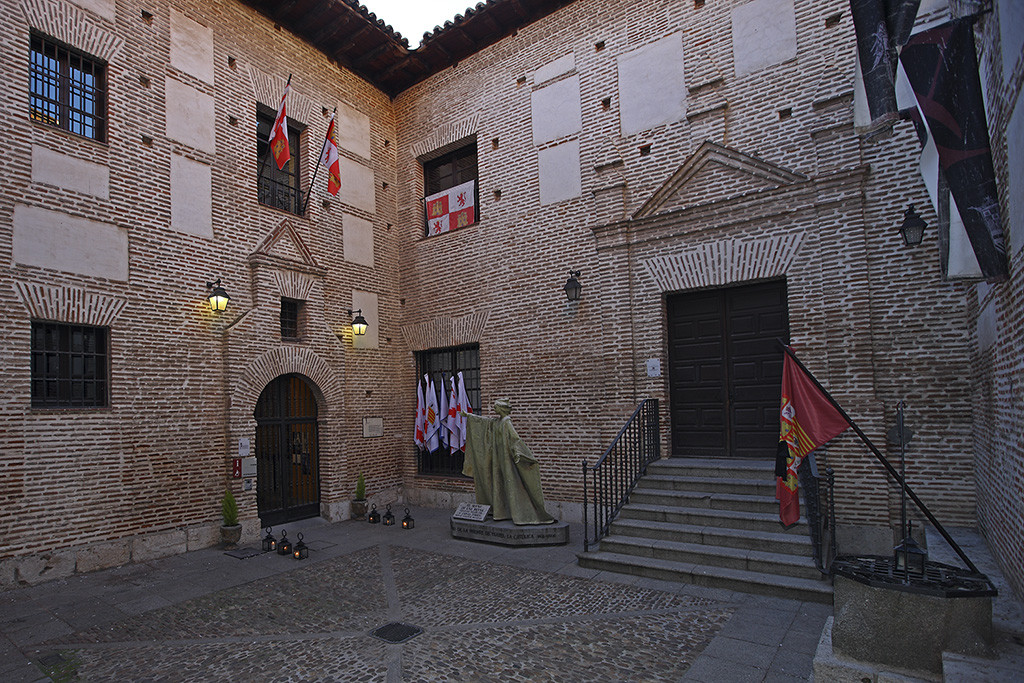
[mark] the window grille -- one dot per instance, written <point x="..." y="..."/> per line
<point x="440" y="364"/>
<point x="278" y="188"/>
<point x="291" y="312"/>
<point x="69" y="365"/>
<point x="67" y="89"/>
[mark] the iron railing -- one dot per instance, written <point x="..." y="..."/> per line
<point x="615" y="475"/>
<point x="819" y="507"/>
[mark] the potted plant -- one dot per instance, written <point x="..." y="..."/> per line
<point x="359" y="504"/>
<point x="230" y="530"/>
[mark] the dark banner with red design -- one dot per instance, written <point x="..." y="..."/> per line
<point x="881" y="26"/>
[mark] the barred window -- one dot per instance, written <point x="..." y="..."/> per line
<point x="70" y="365"/>
<point x="278" y="188"/>
<point x="67" y="89"/>
<point x="440" y="365"/>
<point x="292" y="318"/>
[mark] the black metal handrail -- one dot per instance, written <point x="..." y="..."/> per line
<point x="819" y="504"/>
<point x="615" y="475"/>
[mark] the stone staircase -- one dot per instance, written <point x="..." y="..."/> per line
<point x="712" y="523"/>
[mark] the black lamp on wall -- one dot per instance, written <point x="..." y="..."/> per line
<point x="912" y="229"/>
<point x="573" y="288"/>
<point x="218" y="297"/>
<point x="358" y="322"/>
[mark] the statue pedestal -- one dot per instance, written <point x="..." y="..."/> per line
<point x="507" y="533"/>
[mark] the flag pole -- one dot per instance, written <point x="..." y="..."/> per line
<point x="882" y="459"/>
<point x="317" y="169"/>
<point x="263" y="166"/>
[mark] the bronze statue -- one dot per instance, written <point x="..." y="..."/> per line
<point x="505" y="473"/>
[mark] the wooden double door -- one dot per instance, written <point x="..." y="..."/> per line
<point x="725" y="370"/>
<point x="287" y="456"/>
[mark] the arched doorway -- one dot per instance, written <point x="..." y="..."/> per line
<point x="287" y="458"/>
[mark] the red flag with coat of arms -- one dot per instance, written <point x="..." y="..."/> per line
<point x="451" y="209"/>
<point x="279" y="133"/>
<point x="808" y="420"/>
<point x="330" y="159"/>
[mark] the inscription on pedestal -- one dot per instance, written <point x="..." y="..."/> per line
<point x="507" y="533"/>
<point x="472" y="511"/>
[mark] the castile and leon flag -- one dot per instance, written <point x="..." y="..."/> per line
<point x="451" y="209"/>
<point x="278" y="140"/>
<point x="329" y="158"/>
<point x="808" y="420"/>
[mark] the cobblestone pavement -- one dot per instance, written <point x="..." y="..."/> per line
<point x="486" y="613"/>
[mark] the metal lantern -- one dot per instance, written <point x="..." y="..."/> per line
<point x="573" y="288"/>
<point x="910" y="557"/>
<point x="374" y="516"/>
<point x="269" y="542"/>
<point x="284" y="546"/>
<point x="407" y="521"/>
<point x="389" y="519"/>
<point x="912" y="229"/>
<point x="218" y="297"/>
<point x="358" y="322"/>
<point x="301" y="550"/>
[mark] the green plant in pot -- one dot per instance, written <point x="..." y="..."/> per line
<point x="230" y="530"/>
<point x="359" y="504"/>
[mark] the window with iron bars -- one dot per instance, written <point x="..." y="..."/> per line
<point x="278" y="188"/>
<point x="70" y="365"/>
<point x="67" y="89"/>
<point x="440" y="365"/>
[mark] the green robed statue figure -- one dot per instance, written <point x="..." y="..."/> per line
<point x="505" y="473"/>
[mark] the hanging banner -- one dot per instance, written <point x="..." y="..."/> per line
<point x="451" y="209"/>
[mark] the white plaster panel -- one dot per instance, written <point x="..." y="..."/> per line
<point x="104" y="8"/>
<point x="357" y="187"/>
<point x="190" y="116"/>
<point x="191" y="47"/>
<point x="353" y="131"/>
<point x="987" y="327"/>
<point x="562" y="65"/>
<point x="651" y="86"/>
<point x="555" y="110"/>
<point x="963" y="262"/>
<point x="559" y="169"/>
<point x="763" y="34"/>
<point x="51" y="239"/>
<point x="191" y="197"/>
<point x="1011" y="33"/>
<point x="1015" y="161"/>
<point x="70" y="173"/>
<point x="367" y="302"/>
<point x="357" y="236"/>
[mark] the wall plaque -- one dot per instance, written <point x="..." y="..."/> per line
<point x="373" y="426"/>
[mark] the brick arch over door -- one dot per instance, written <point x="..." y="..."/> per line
<point x="289" y="360"/>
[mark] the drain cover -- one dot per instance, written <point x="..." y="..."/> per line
<point x="396" y="632"/>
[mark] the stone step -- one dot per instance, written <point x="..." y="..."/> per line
<point x="792" y="544"/>
<point x="675" y="482"/>
<point x="792" y="588"/>
<point x="699" y="499"/>
<point x="714" y="467"/>
<point x="705" y="516"/>
<point x="763" y="561"/>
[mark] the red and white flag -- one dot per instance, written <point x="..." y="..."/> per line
<point x="452" y="419"/>
<point x="451" y="209"/>
<point x="431" y="420"/>
<point x="279" y="133"/>
<point x="421" y="411"/>
<point x="329" y="158"/>
<point x="464" y="407"/>
<point x="442" y="417"/>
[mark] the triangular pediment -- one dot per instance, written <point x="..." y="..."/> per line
<point x="714" y="173"/>
<point x="285" y="244"/>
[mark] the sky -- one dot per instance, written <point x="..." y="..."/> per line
<point x="412" y="18"/>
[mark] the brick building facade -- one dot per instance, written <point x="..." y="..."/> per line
<point x="663" y="149"/>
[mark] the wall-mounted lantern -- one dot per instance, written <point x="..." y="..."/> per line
<point x="912" y="229"/>
<point x="358" y="322"/>
<point x="573" y="288"/>
<point x="218" y="297"/>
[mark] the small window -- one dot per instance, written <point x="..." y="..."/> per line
<point x="278" y="188"/>
<point x="69" y="365"/>
<point x="451" y="193"/>
<point x="291" y="319"/>
<point x="67" y="89"/>
<point x="440" y="365"/>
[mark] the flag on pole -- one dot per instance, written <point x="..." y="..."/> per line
<point x="330" y="160"/>
<point x="451" y="209"/>
<point x="420" y="414"/>
<point x="279" y="132"/>
<point x="808" y="420"/>
<point x="942" y="67"/>
<point x="464" y="407"/>
<point x="430" y="417"/>
<point x="442" y="415"/>
<point x="452" y="421"/>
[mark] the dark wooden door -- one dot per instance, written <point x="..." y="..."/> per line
<point x="725" y="370"/>
<point x="287" y="460"/>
